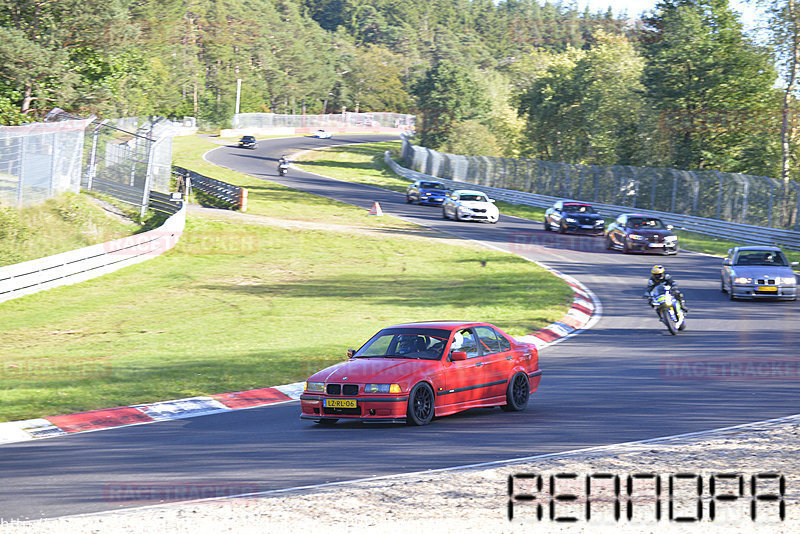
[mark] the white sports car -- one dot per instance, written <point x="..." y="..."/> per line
<point x="466" y="205"/>
<point x="322" y="134"/>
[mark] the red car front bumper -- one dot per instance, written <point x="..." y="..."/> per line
<point x="376" y="409"/>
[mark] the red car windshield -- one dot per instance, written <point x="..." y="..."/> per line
<point x="415" y="343"/>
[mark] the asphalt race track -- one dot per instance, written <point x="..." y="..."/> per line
<point x="623" y="380"/>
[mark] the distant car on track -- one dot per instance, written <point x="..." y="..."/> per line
<point x="323" y="134"/>
<point x="757" y="272"/>
<point x="413" y="372"/>
<point x="467" y="205"/>
<point x="575" y="217"/>
<point x="248" y="141"/>
<point x="426" y="192"/>
<point x="634" y="232"/>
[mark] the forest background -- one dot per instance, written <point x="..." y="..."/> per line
<point x="682" y="86"/>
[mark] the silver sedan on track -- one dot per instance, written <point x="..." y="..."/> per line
<point x="758" y="272"/>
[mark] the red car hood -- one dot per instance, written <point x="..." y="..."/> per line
<point x="379" y="370"/>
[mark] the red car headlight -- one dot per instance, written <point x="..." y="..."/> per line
<point x="315" y="387"/>
<point x="382" y="388"/>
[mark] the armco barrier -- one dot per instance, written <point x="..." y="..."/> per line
<point x="165" y="203"/>
<point x="733" y="231"/>
<point x="89" y="262"/>
<point x="232" y="195"/>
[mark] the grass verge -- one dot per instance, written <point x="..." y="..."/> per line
<point x="244" y="302"/>
<point x="65" y="222"/>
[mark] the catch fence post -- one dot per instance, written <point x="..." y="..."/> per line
<point x="147" y="175"/>
<point x="21" y="182"/>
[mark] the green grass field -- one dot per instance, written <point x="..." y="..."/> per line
<point x="66" y="222"/>
<point x="244" y="302"/>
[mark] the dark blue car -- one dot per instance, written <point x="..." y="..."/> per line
<point x="426" y="192"/>
<point x="574" y="217"/>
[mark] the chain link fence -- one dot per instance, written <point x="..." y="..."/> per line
<point x="733" y="197"/>
<point x="40" y="160"/>
<point x="331" y="120"/>
<point x="127" y="158"/>
<point x="124" y="158"/>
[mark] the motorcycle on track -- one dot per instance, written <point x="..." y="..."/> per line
<point x="283" y="168"/>
<point x="668" y="308"/>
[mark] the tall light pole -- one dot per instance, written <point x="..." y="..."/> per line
<point x="238" y="94"/>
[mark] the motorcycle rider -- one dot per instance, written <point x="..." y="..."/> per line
<point x="659" y="275"/>
<point x="284" y="160"/>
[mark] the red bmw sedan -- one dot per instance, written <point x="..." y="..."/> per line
<point x="413" y="372"/>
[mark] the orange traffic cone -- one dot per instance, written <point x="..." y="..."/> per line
<point x="376" y="209"/>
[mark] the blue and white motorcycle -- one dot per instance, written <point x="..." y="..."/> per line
<point x="667" y="307"/>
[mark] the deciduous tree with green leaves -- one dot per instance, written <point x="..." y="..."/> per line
<point x="709" y="82"/>
<point x="784" y="29"/>
<point x="375" y="80"/>
<point x="448" y="94"/>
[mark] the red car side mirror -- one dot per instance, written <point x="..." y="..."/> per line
<point x="458" y="356"/>
<point x="351" y="353"/>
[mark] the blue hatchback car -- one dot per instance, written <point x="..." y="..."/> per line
<point x="426" y="192"/>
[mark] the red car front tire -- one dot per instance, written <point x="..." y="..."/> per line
<point x="420" y="405"/>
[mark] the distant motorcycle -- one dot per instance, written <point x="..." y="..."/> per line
<point x="667" y="307"/>
<point x="283" y="167"/>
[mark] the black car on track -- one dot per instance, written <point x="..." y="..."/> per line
<point x="248" y="141"/>
<point x="574" y="217"/>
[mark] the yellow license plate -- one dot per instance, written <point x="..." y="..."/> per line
<point x="340" y="403"/>
<point x="767" y="288"/>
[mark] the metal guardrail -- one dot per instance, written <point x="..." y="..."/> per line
<point x="125" y="193"/>
<point x="745" y="233"/>
<point x="89" y="262"/>
<point x="161" y="202"/>
<point x="232" y="195"/>
<point x="165" y="203"/>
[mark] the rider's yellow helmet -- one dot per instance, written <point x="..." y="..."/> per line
<point x="657" y="270"/>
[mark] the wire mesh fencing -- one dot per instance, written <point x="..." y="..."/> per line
<point x="127" y="158"/>
<point x="40" y="160"/>
<point x="330" y="120"/>
<point x="733" y="197"/>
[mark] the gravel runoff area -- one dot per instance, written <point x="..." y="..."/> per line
<point x="476" y="499"/>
